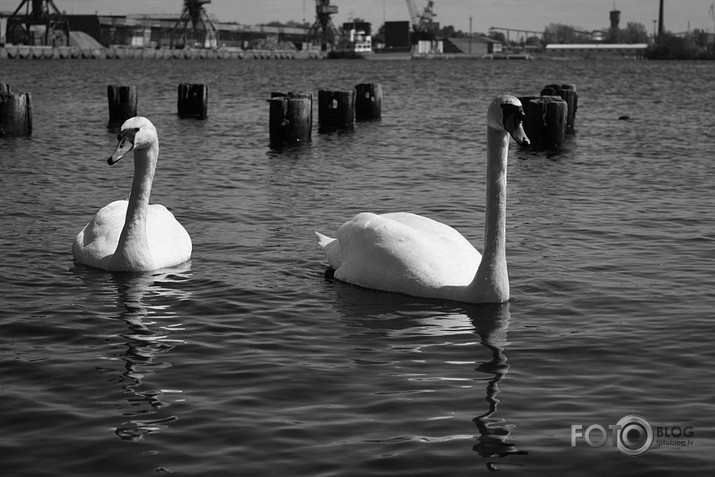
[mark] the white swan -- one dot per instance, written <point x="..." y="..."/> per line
<point x="133" y="235"/>
<point x="414" y="255"/>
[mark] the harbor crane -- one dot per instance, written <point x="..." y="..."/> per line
<point x="195" y="14"/>
<point x="323" y="31"/>
<point x="424" y="28"/>
<point x="422" y="22"/>
<point x="44" y="24"/>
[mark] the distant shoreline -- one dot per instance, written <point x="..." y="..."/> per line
<point x="23" y="52"/>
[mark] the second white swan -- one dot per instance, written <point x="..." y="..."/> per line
<point x="414" y="255"/>
<point x="133" y="235"/>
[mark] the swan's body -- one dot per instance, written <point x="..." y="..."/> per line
<point x="133" y="235"/>
<point x="414" y="255"/>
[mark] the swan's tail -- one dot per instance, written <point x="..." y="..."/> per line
<point x="331" y="248"/>
<point x="323" y="240"/>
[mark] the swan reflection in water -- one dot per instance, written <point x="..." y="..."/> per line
<point x="146" y="301"/>
<point x="491" y="326"/>
<point x="489" y="322"/>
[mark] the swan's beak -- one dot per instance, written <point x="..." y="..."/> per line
<point x="517" y="132"/>
<point x="124" y="145"/>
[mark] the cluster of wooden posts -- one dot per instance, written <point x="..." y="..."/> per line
<point x="291" y="114"/>
<point x="16" y="108"/>
<point x="192" y="102"/>
<point x="549" y="116"/>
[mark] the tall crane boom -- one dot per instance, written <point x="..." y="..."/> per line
<point x="414" y="13"/>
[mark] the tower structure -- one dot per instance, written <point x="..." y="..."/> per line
<point x="323" y="31"/>
<point x="194" y="28"/>
<point x="615" y="17"/>
<point x="614" y="33"/>
<point x="40" y="24"/>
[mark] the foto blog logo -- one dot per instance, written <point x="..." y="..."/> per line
<point x="632" y="435"/>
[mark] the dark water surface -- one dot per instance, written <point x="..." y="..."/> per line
<point x="248" y="362"/>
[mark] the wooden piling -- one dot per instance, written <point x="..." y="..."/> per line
<point x="290" y="119"/>
<point x="368" y="101"/>
<point x="193" y="101"/>
<point x="336" y="110"/>
<point x="122" y="103"/>
<point x="545" y="123"/>
<point x="567" y="92"/>
<point x="15" y="113"/>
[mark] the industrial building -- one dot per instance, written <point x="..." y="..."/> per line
<point x="40" y="23"/>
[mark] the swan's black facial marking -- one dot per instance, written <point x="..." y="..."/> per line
<point x="513" y="122"/>
<point x="512" y="113"/>
<point x="129" y="133"/>
<point x="125" y="144"/>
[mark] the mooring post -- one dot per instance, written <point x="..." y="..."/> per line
<point x="193" y="101"/>
<point x="122" y="103"/>
<point x="15" y="113"/>
<point x="368" y="101"/>
<point x="290" y="119"/>
<point x="567" y="92"/>
<point x="336" y="110"/>
<point x="545" y="124"/>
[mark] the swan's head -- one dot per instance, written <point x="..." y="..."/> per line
<point x="507" y="114"/>
<point x="136" y="133"/>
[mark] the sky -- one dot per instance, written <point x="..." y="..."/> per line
<point x="516" y="14"/>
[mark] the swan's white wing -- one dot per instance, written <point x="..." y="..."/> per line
<point x="169" y="242"/>
<point x="97" y="242"/>
<point x="402" y="252"/>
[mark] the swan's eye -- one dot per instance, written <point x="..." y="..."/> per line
<point x="119" y="137"/>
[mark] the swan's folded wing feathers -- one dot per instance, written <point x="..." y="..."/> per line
<point x="98" y="240"/>
<point x="394" y="253"/>
<point x="169" y="242"/>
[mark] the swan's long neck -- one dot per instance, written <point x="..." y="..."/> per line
<point x="491" y="283"/>
<point x="133" y="248"/>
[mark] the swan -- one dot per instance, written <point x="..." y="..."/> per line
<point x="414" y="255"/>
<point x="132" y="235"/>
